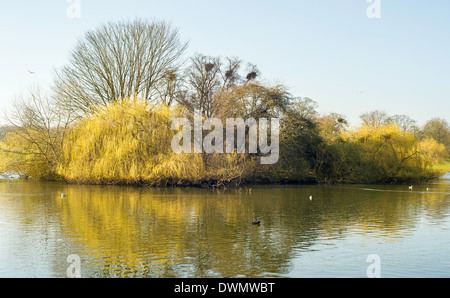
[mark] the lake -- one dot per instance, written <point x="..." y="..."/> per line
<point x="122" y="231"/>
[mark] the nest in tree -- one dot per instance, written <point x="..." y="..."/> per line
<point x="341" y="120"/>
<point x="209" y="66"/>
<point x="229" y="73"/>
<point x="251" y="76"/>
<point x="170" y="75"/>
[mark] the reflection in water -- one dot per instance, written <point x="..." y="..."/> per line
<point x="138" y="232"/>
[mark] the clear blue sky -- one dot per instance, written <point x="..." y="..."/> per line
<point x="327" y="50"/>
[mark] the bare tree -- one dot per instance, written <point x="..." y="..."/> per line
<point x="375" y="118"/>
<point x="35" y="138"/>
<point x="438" y="129"/>
<point x="405" y="123"/>
<point x="204" y="79"/>
<point x="118" y="60"/>
<point x="214" y="86"/>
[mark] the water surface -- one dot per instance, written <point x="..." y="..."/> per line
<point x="138" y="232"/>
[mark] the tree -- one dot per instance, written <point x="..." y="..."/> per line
<point x="215" y="87"/>
<point x="32" y="145"/>
<point x="205" y="77"/>
<point x="375" y="118"/>
<point x="300" y="141"/>
<point x="304" y="107"/>
<point x="388" y="153"/>
<point x="119" y="60"/>
<point x="439" y="130"/>
<point x="126" y="143"/>
<point x="4" y="130"/>
<point x="331" y="125"/>
<point x="405" y="123"/>
<point x="432" y="151"/>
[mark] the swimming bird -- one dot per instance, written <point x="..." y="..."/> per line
<point x="256" y="222"/>
<point x="63" y="196"/>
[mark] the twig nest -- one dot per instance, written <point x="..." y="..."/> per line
<point x="251" y="76"/>
<point x="209" y="66"/>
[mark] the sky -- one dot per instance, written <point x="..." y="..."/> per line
<point x="396" y="58"/>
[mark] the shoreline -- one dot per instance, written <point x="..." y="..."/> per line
<point x="217" y="184"/>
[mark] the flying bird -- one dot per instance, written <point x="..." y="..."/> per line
<point x="31" y="72"/>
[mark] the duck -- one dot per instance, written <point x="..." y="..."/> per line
<point x="256" y="222"/>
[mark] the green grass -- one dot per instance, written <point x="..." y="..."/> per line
<point x="442" y="167"/>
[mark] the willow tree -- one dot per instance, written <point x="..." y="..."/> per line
<point x="118" y="60"/>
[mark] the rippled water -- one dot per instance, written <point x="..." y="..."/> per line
<point x="138" y="232"/>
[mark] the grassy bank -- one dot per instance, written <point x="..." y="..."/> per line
<point x="443" y="167"/>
